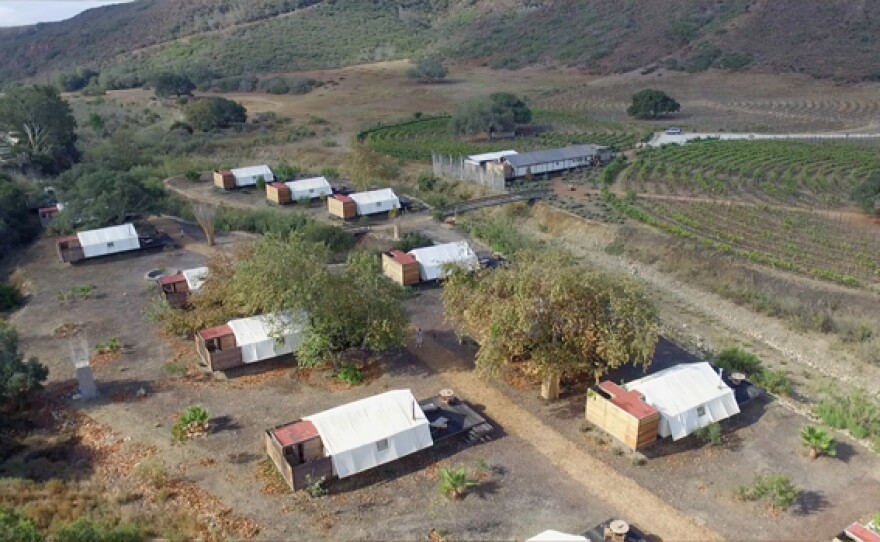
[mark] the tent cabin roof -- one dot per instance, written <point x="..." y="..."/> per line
<point x="552" y="155"/>
<point x="402" y="257"/>
<point x="374" y="196"/>
<point x="107" y="235"/>
<point x="195" y="277"/>
<point x="681" y="388"/>
<point x="630" y="401"/>
<point x="307" y="184"/>
<point x="367" y="420"/>
<point x="215" y="332"/>
<point x="490" y="156"/>
<point x="859" y="532"/>
<point x="556" y="536"/>
<point x="458" y="251"/>
<point x="295" y="433"/>
<point x="171" y="279"/>
<point x="253" y="171"/>
<point x="258" y="329"/>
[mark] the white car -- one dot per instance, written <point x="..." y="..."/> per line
<point x="673" y="131"/>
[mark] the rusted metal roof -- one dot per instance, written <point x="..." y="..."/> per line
<point x="224" y="172"/>
<point x="171" y="279"/>
<point x="862" y="533"/>
<point x="343" y="198"/>
<point x="48" y="210"/>
<point x="295" y="433"/>
<point x="214" y="332"/>
<point x="402" y="257"/>
<point x="67" y="238"/>
<point x="631" y="402"/>
<point x="279" y="186"/>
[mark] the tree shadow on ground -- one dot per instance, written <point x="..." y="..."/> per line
<point x="810" y="502"/>
<point x="223" y="423"/>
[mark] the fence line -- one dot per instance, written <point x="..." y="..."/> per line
<point x="459" y="168"/>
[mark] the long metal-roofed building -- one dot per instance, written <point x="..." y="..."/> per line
<point x="553" y="160"/>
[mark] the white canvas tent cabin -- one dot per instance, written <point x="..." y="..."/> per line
<point x="177" y="288"/>
<point x="240" y="177"/>
<point x="689" y="396"/>
<point x="556" y="536"/>
<point x="434" y="260"/>
<point x="375" y="201"/>
<point x="302" y="189"/>
<point x="100" y="242"/>
<point x="249" y="340"/>
<point x="364" y="434"/>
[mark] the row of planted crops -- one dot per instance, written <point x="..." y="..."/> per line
<point x="801" y="241"/>
<point x="417" y="139"/>
<point x="775" y="170"/>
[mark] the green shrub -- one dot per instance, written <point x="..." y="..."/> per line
<point x="775" y="488"/>
<point x="454" y="482"/>
<point x="109" y="346"/>
<point x="710" y="434"/>
<point x="412" y="240"/>
<point x="85" y="530"/>
<point x="818" y="441"/>
<point x="612" y="170"/>
<point x="10" y="297"/>
<point x="350" y="374"/>
<point x="427" y="181"/>
<point x="736" y="359"/>
<point x="194" y="421"/>
<point x="261" y="184"/>
<point x="330" y="172"/>
<point x="315" y="488"/>
<point x="15" y="527"/>
<point x="773" y="381"/>
<point x="856" y="412"/>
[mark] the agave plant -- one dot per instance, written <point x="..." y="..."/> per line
<point x="818" y="442"/>
<point x="454" y="482"/>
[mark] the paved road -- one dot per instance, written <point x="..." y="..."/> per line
<point x="662" y="138"/>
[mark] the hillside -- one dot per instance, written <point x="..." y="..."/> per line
<point x="824" y="38"/>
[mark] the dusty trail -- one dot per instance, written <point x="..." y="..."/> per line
<point x="632" y="501"/>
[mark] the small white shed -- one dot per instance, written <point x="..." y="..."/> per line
<point x="314" y="187"/>
<point x="247" y="176"/>
<point x="556" y="536"/>
<point x="375" y="201"/>
<point x="433" y="259"/>
<point x="689" y="396"/>
<point x="108" y="240"/>
<point x="267" y="336"/>
<point x="373" y="431"/>
<point x="195" y="277"/>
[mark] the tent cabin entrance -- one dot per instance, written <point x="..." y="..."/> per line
<point x="175" y="289"/>
<point x="218" y="349"/>
<point x="298" y="453"/>
<point x="69" y="249"/>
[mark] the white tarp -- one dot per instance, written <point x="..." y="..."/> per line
<point x="267" y="336"/>
<point x="433" y="259"/>
<point x="556" y="536"/>
<point x="375" y="201"/>
<point x="108" y="240"/>
<point x="370" y="432"/>
<point x="490" y="156"/>
<point x="309" y="188"/>
<point x="689" y="396"/>
<point x="247" y="176"/>
<point x="195" y="277"/>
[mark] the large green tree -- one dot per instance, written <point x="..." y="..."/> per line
<point x="43" y="125"/>
<point x="651" y="103"/>
<point x="498" y="112"/>
<point x="554" y="315"/>
<point x="172" y="84"/>
<point x="214" y="113"/>
<point x="428" y="69"/>
<point x="102" y="197"/>
<point x="16" y="225"/>
<point x="19" y="378"/>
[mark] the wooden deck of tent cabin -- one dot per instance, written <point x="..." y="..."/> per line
<point x="622" y="414"/>
<point x="216" y="346"/>
<point x="298" y="453"/>
<point x="175" y="289"/>
<point x="278" y="193"/>
<point x="224" y="179"/>
<point x="400" y="267"/>
<point x="342" y="206"/>
<point x="69" y="249"/>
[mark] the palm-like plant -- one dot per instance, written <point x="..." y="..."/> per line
<point x="818" y="442"/>
<point x="454" y="482"/>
